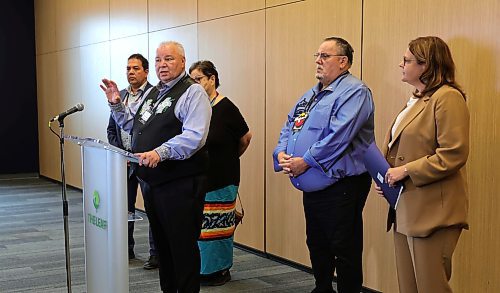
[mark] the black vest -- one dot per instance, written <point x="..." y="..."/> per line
<point x="160" y="128"/>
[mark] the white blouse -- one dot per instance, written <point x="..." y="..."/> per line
<point x="400" y="117"/>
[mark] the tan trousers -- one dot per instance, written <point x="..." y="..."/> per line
<point x="424" y="263"/>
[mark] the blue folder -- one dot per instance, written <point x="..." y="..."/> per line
<point x="377" y="166"/>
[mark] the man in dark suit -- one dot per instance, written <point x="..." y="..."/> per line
<point x="137" y="77"/>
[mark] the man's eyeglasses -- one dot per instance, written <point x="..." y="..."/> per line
<point x="324" y="56"/>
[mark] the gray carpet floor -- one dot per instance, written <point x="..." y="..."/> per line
<point x="32" y="257"/>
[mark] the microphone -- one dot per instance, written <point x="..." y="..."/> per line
<point x="78" y="107"/>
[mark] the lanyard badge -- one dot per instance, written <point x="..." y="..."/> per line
<point x="145" y="116"/>
<point x="146" y="112"/>
<point x="299" y="121"/>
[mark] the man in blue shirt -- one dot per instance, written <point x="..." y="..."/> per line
<point x="169" y="131"/>
<point x="137" y="77"/>
<point x="320" y="148"/>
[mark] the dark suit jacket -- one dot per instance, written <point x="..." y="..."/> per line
<point x="114" y="137"/>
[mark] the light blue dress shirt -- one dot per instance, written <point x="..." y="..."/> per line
<point x="334" y="137"/>
<point x="192" y="109"/>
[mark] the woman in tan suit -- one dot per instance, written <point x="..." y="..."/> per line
<point x="427" y="148"/>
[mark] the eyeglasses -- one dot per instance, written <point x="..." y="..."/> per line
<point x="407" y="61"/>
<point x="324" y="56"/>
<point x="197" y="79"/>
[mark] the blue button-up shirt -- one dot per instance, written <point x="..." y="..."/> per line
<point x="332" y="141"/>
<point x="192" y="109"/>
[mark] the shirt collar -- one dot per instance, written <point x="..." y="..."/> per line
<point x="332" y="85"/>
<point x="140" y="90"/>
<point x="162" y="86"/>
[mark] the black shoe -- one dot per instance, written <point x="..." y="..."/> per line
<point x="217" y="279"/>
<point x="131" y="254"/>
<point x="152" y="263"/>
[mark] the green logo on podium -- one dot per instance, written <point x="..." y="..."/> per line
<point x="96" y="200"/>
<point x="93" y="219"/>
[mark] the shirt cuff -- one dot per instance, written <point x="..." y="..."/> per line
<point x="309" y="159"/>
<point x="120" y="107"/>
<point x="163" y="152"/>
<point x="276" y="164"/>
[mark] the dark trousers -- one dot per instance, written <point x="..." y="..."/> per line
<point x="334" y="229"/>
<point x="175" y="212"/>
<point x="132" y="197"/>
<point x="132" y="184"/>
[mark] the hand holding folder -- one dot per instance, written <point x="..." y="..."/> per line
<point x="377" y="166"/>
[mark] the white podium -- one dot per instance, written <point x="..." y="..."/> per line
<point x="105" y="214"/>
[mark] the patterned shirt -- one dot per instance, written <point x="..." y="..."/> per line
<point x="131" y="99"/>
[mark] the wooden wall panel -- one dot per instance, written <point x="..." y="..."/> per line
<point x="120" y="50"/>
<point x="293" y="34"/>
<point x="471" y="30"/>
<point x="270" y="3"/>
<point x="94" y="21"/>
<point x="45" y="26"/>
<point x="236" y="46"/>
<point x="186" y="35"/>
<point x="210" y="9"/>
<point x="127" y="18"/>
<point x="47" y="108"/>
<point x="67" y="24"/>
<point x="94" y="66"/>
<point x="69" y="94"/>
<point x="167" y="14"/>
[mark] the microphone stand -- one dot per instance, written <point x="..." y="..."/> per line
<point x="65" y="205"/>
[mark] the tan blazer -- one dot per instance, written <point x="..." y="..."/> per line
<point x="432" y="140"/>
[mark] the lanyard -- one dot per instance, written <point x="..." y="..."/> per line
<point x="310" y="104"/>
<point x="212" y="101"/>
<point x="139" y="96"/>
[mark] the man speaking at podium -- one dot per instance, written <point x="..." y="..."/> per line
<point x="169" y="131"/>
<point x="132" y="96"/>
